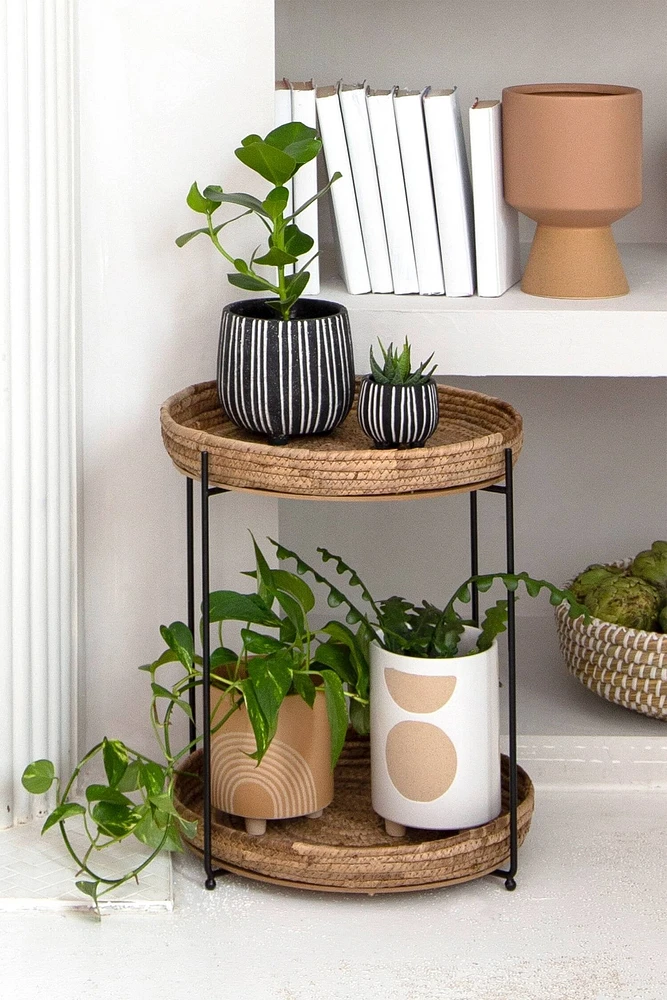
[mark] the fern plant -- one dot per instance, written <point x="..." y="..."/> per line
<point x="397" y="367"/>
<point x="424" y="630"/>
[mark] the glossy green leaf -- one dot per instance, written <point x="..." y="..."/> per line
<point x="263" y="575"/>
<point x="294" y="612"/>
<point x="304" y="151"/>
<point x="259" y="644"/>
<point x="162" y="692"/>
<point x="337" y="712"/>
<point x="189" y="827"/>
<point x="250" y="139"/>
<point x="130" y="780"/>
<point x="294" y="585"/>
<point x="63" y="812"/>
<point x="115" y="820"/>
<point x="297" y="242"/>
<point x="179" y="639"/>
<point x="338" y="658"/>
<point x="151" y="777"/>
<point x="88" y="889"/>
<point x="296" y="285"/>
<point x="199" y="202"/>
<point x="114" y="755"/>
<point x="186" y="237"/>
<point x="271" y="678"/>
<point x="215" y="194"/>
<point x="149" y="833"/>
<point x="360" y="717"/>
<point x="38" y="777"/>
<point x="227" y="605"/>
<point x="249" y="283"/>
<point x="276" y="258"/>
<point x="256" y="716"/>
<point x="268" y="161"/>
<point x="345" y="636"/>
<point x="289" y="134"/>
<point x="164" y="802"/>
<point x="104" y="793"/>
<point x="303" y="685"/>
<point x="275" y="202"/>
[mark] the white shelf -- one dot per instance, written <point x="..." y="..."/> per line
<point x="520" y="334"/>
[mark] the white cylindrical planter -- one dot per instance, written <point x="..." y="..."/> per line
<point x="435" y="755"/>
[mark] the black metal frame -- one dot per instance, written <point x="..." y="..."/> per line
<point x="506" y="490"/>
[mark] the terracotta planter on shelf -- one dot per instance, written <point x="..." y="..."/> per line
<point x="285" y="378"/>
<point x="294" y="778"/>
<point x="572" y="160"/>
<point x="435" y="755"/>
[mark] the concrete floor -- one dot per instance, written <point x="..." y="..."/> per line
<point x="587" y="922"/>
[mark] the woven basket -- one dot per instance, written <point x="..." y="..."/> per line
<point x="624" y="665"/>
<point x="348" y="850"/>
<point x="467" y="448"/>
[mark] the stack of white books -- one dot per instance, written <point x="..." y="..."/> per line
<point x="409" y="217"/>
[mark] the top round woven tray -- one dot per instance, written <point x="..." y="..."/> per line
<point x="347" y="849"/>
<point x="466" y="450"/>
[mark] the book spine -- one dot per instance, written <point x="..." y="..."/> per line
<point x="343" y="198"/>
<point x="392" y="192"/>
<point x="453" y="191"/>
<point x="305" y="181"/>
<point x="496" y="223"/>
<point x="364" y="174"/>
<point x="417" y="172"/>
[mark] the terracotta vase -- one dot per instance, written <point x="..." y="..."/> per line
<point x="572" y="160"/>
<point x="294" y="777"/>
<point x="435" y="755"/>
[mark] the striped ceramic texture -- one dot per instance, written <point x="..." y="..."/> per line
<point x="285" y="378"/>
<point x="394" y="415"/>
<point x="626" y="666"/>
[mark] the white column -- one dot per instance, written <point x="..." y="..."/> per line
<point x="37" y="395"/>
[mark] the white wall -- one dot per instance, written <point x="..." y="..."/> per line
<point x="167" y="91"/>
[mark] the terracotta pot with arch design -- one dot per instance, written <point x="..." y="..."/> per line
<point x="294" y="778"/>
<point x="435" y="754"/>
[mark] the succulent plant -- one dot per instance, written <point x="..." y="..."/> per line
<point x="625" y="600"/>
<point x="397" y="368"/>
<point x="592" y="577"/>
<point x="651" y="565"/>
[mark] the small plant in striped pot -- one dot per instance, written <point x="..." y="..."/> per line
<point x="285" y="362"/>
<point x="398" y="406"/>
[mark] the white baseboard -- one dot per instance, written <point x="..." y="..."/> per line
<point x="572" y="762"/>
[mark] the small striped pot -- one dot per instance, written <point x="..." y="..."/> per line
<point x="394" y="415"/>
<point x="284" y="378"/>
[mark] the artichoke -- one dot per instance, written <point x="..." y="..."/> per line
<point x="651" y="565"/>
<point x="626" y="600"/>
<point x="592" y="577"/>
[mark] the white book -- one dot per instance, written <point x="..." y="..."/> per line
<point x="452" y="189"/>
<point x="380" y="105"/>
<point x="364" y="174"/>
<point x="496" y="223"/>
<point x="417" y="172"/>
<point x="305" y="180"/>
<point x="283" y="115"/>
<point x="343" y="198"/>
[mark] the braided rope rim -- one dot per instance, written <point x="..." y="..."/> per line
<point x="468" y="447"/>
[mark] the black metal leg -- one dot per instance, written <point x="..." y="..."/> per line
<point x="206" y="670"/>
<point x="474" y="555"/>
<point x="189" y="508"/>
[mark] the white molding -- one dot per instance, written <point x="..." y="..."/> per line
<point x="628" y="763"/>
<point x="37" y="397"/>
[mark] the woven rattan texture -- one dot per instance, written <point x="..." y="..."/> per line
<point x="624" y="665"/>
<point x="348" y="849"/>
<point x="467" y="448"/>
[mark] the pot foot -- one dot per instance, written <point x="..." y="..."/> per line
<point x="316" y="815"/>
<point x="278" y="439"/>
<point x="567" y="263"/>
<point x="383" y="446"/>
<point x="394" y="829"/>
<point x="255" y="827"/>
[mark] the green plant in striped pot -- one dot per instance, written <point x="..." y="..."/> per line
<point x="398" y="405"/>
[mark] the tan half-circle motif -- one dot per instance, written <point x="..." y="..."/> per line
<point x="418" y="693"/>
<point x="282" y="785"/>
<point x="421" y="760"/>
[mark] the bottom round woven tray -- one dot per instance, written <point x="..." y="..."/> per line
<point x="347" y="849"/>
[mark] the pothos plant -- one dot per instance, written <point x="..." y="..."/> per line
<point x="277" y="157"/>
<point x="424" y="630"/>
<point x="288" y="656"/>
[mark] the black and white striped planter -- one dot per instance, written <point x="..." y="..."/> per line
<point x="284" y="378"/>
<point x="394" y="415"/>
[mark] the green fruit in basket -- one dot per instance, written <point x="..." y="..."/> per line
<point x="662" y="619"/>
<point x="651" y="565"/>
<point x="626" y="600"/>
<point x="592" y="577"/>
